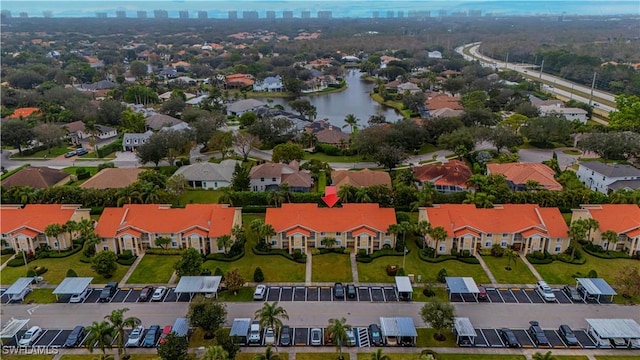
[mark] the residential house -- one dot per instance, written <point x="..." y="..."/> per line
<point x="439" y="104"/>
<point x="96" y="86"/>
<point x="522" y="227"/>
<point x="623" y="219"/>
<point x="37" y="177"/>
<point x="242" y="106"/>
<point x="568" y="113"/>
<point x="159" y="121"/>
<point x="23" y="227"/>
<point x="408" y="86"/>
<point x="434" y="54"/>
<point x="449" y="177"/>
<point x="607" y="178"/>
<point x="136" y="227"/>
<point x="269" y="84"/>
<point x="206" y="175"/>
<point x="537" y="102"/>
<point x="77" y="131"/>
<point x="132" y="141"/>
<point x="333" y="136"/>
<point x="112" y="178"/>
<point x="385" y="60"/>
<point x="238" y="81"/>
<point x="362" y="178"/>
<point x="354" y="226"/>
<point x="518" y="174"/>
<point x="445" y="113"/>
<point x="168" y="72"/>
<point x="167" y="95"/>
<point x="21" y="113"/>
<point x="271" y="176"/>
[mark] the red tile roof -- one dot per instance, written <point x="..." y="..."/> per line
<point x="507" y="218"/>
<point x="520" y="173"/>
<point x="453" y="173"/>
<point x="34" y="217"/>
<point x="362" y="178"/>
<point x="442" y="101"/>
<point x="215" y="219"/>
<point x="23" y="112"/>
<point x="621" y="218"/>
<point x="349" y="217"/>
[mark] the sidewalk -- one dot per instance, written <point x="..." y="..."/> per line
<point x="132" y="268"/>
<point x="307" y="269"/>
<point x="354" y="269"/>
<point x="531" y="268"/>
<point x="484" y="266"/>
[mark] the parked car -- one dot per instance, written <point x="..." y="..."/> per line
<point x="158" y="294"/>
<point x="375" y="335"/>
<point x="482" y="293"/>
<point x="316" y="336"/>
<point x="107" y="293"/>
<point x="269" y="336"/>
<point x="75" y="338"/>
<point x="618" y="342"/>
<point x="567" y="334"/>
<point x="260" y="292"/>
<point x="135" y="337"/>
<point x="572" y="293"/>
<point x="351" y="338"/>
<point x="285" y="336"/>
<point x="81" y="151"/>
<point x="254" y="333"/>
<point x="70" y="154"/>
<point x="78" y="298"/>
<point x="151" y="338"/>
<point x="146" y="293"/>
<point x="338" y="290"/>
<point x="351" y="291"/>
<point x="600" y="342"/>
<point x="509" y="338"/>
<point x="585" y="295"/>
<point x="30" y="337"/>
<point x="165" y="332"/>
<point x="537" y="334"/>
<point x="634" y="343"/>
<point x="545" y="291"/>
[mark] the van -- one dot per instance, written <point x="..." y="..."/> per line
<point x="545" y="291"/>
<point x="600" y="342"/>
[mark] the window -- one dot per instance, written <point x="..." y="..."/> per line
<point x="558" y="248"/>
<point x="322" y="234"/>
<point x="105" y="248"/>
<point x="505" y="235"/>
<point x="558" y="240"/>
<point x="489" y="235"/>
<point x="174" y="244"/>
<point x="338" y="242"/>
<point x="338" y="234"/>
<point x="273" y="242"/>
<point x="503" y="244"/>
<point x="487" y="244"/>
<point x="262" y="179"/>
<point x="55" y="244"/>
<point x="441" y="248"/>
<point x="273" y="179"/>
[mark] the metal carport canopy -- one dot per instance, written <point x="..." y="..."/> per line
<point x="461" y="285"/>
<point x="240" y="327"/>
<point x="198" y="284"/>
<point x="18" y="287"/>
<point x="398" y="326"/>
<point x="596" y="286"/>
<point x="73" y="285"/>
<point x="463" y="327"/>
<point x="13" y="326"/>
<point x="615" y="328"/>
<point x="404" y="284"/>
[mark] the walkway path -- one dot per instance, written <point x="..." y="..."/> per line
<point x="531" y="268"/>
<point x="132" y="268"/>
<point x="492" y="278"/>
<point x="5" y="263"/>
<point x="173" y="278"/>
<point x="307" y="274"/>
<point x="354" y="268"/>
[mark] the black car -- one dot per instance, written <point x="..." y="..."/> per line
<point x="75" y="338"/>
<point x="572" y="293"/>
<point x="351" y="291"/>
<point x="509" y="338"/>
<point x="375" y="335"/>
<point x="537" y="334"/>
<point x="285" y="336"/>
<point x="338" y="290"/>
<point x="107" y="293"/>
<point x="583" y="292"/>
<point x="567" y="334"/>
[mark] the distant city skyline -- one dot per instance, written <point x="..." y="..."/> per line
<point x="219" y="9"/>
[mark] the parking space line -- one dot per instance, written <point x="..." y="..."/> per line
<point x="498" y="291"/>
<point x="279" y="293"/>
<point x="527" y="295"/>
<point x="384" y="298"/>
<point x="485" y="339"/>
<point x="306" y="290"/>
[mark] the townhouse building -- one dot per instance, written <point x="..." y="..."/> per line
<point x="623" y="219"/>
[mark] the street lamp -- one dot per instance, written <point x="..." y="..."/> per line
<point x="404" y="257"/>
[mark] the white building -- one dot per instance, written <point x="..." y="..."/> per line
<point x="607" y="178"/>
<point x="570" y="114"/>
<point x="269" y="84"/>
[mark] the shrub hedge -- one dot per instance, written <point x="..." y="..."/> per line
<point x="224" y="258"/>
<point x="7" y="251"/>
<point x="159" y="251"/>
<point x="126" y="262"/>
<point x="17" y="262"/>
<point x="75" y="249"/>
<point x="281" y="252"/>
<point x="367" y="258"/>
<point x="607" y="254"/>
<point x="441" y="258"/>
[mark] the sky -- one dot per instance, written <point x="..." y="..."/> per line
<point x="339" y="8"/>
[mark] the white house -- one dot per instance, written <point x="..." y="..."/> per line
<point x="132" y="141"/>
<point x="434" y="54"/>
<point x="77" y="131"/>
<point x="242" y="106"/>
<point x="206" y="175"/>
<point x="570" y="114"/>
<point x="606" y="178"/>
<point x="269" y="84"/>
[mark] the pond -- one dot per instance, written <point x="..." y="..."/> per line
<point x="354" y="100"/>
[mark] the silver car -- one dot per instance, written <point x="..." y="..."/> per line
<point x="135" y="337"/>
<point x="316" y="336"/>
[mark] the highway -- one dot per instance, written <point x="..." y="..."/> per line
<point x="551" y="82"/>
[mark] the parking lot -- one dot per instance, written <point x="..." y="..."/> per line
<point x="128" y="295"/>
<point x="57" y="338"/>
<point x="491" y="338"/>
<point x="515" y="295"/>
<point x="325" y="293"/>
<point x="302" y="337"/>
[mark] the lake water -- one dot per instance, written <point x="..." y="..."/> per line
<point x="354" y="100"/>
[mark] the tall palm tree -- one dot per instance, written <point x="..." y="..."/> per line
<point x="438" y="234"/>
<point x="91" y="127"/>
<point x="224" y="242"/>
<point x="362" y="195"/>
<point x="119" y="323"/>
<point x="338" y="330"/>
<point x="378" y="355"/>
<point x="421" y="229"/>
<point x="352" y="122"/>
<point x="271" y="315"/>
<point x="425" y="196"/>
<point x="611" y="237"/>
<point x="591" y="224"/>
<point x="128" y="195"/>
<point x="329" y="242"/>
<point x="85" y="227"/>
<point x="547" y="356"/>
<point x="346" y="193"/>
<point x="71" y="227"/>
<point x="577" y="232"/>
<point x="52" y="231"/>
<point x="216" y="352"/>
<point x="101" y="336"/>
<point x="268" y="355"/>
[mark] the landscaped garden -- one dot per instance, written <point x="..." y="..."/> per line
<point x="519" y="273"/>
<point x="153" y="269"/>
<point x="331" y="267"/>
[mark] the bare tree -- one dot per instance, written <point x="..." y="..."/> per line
<point x="245" y="142"/>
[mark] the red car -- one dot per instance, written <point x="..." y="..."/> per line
<point x="165" y="332"/>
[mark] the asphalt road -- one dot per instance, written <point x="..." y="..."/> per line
<point x="301" y="314"/>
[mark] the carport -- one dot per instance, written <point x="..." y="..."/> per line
<point x="181" y="327"/>
<point x="465" y="333"/>
<point x="72" y="286"/>
<point x="405" y="290"/>
<point x="240" y="328"/>
<point x="12" y="328"/>
<point x="207" y="285"/>
<point x="595" y="287"/>
<point x="398" y="330"/>
<point x="462" y="285"/>
<point x="19" y="289"/>
<point x="615" y="328"/>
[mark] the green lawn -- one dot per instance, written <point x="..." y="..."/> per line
<point x="249" y="356"/>
<point x="331" y="268"/>
<point x="41" y="296"/>
<point x="425" y="338"/>
<point x="322" y="182"/>
<point x="375" y="271"/>
<point x="73" y="170"/>
<point x="153" y="269"/>
<point x="276" y="268"/>
<point x="570" y="357"/>
<point x="328" y="158"/>
<point x="58" y="269"/>
<point x="5" y="257"/>
<point x="92" y="155"/>
<point x="245" y="294"/>
<point x="441" y="294"/>
<point x="200" y="197"/>
<point x="54" y="152"/>
<point x="322" y="356"/>
<point x="391" y="356"/>
<point x="519" y="273"/>
<point x="614" y="357"/>
<point x="572" y="152"/>
<point x="480" y="357"/>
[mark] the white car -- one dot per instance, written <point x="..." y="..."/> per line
<point x="30" y="337"/>
<point x="135" y="337"/>
<point x="546" y="292"/>
<point x="269" y="336"/>
<point x="316" y="337"/>
<point x="78" y="298"/>
<point x="261" y="290"/>
<point x="158" y="294"/>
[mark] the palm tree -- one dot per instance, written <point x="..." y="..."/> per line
<point x="611" y="237"/>
<point x="346" y="193"/>
<point x="591" y="224"/>
<point x="329" y="242"/>
<point x="71" y="226"/>
<point x="438" y="234"/>
<point x="128" y="195"/>
<point x="268" y="355"/>
<point x="216" y="352"/>
<point x="425" y="196"/>
<point x="85" y="227"/>
<point x="421" y="229"/>
<point x="119" y="323"/>
<point x="271" y="315"/>
<point x="511" y="255"/>
<point x="101" y="336"/>
<point x="224" y="242"/>
<point x="362" y="195"/>
<point x="547" y="356"/>
<point x="52" y="231"/>
<point x="352" y="122"/>
<point x="338" y="330"/>
<point x="91" y="127"/>
<point x="577" y="232"/>
<point x="378" y="355"/>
